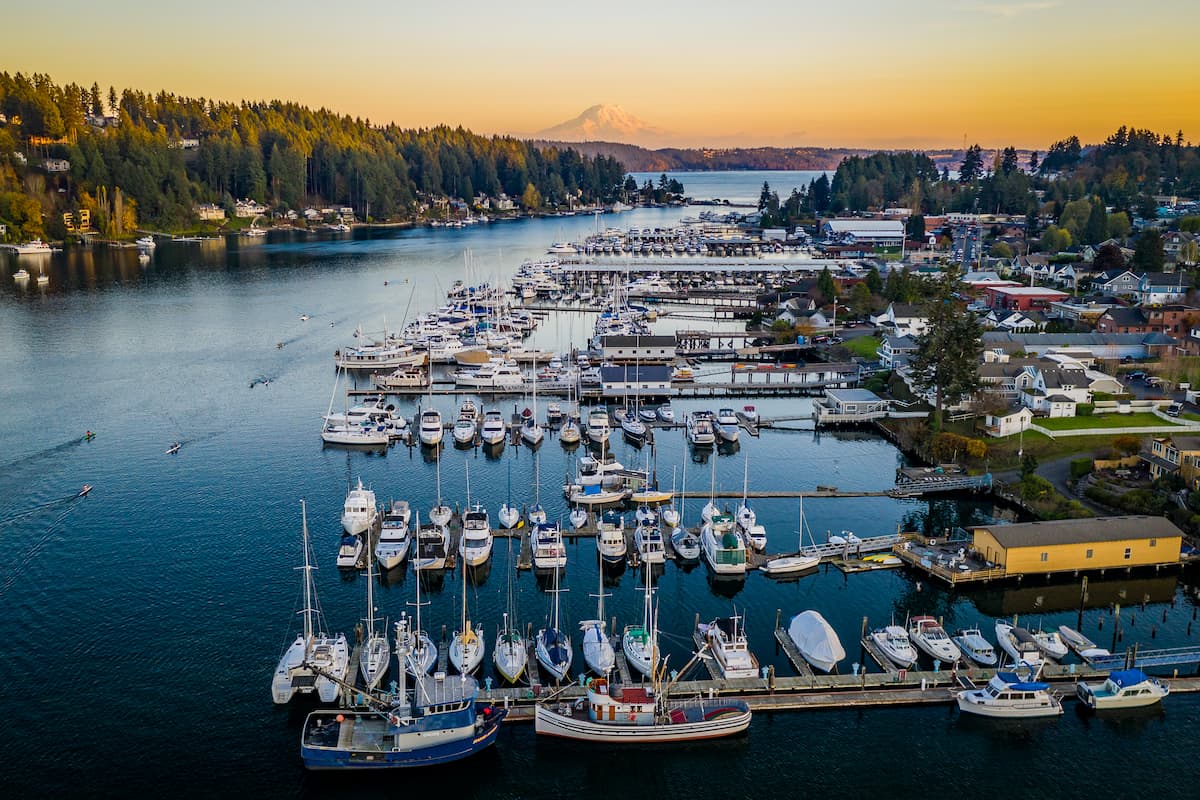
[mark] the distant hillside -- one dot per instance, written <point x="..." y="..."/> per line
<point x="641" y="159"/>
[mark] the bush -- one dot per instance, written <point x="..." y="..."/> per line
<point x="1035" y="487"/>
<point x="1084" y="409"/>
<point x="1080" y="467"/>
<point x="1127" y="444"/>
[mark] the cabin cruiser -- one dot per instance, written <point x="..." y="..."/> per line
<point x="1020" y="646"/>
<point x="349" y="551"/>
<point x="723" y="549"/>
<point x="975" y="646"/>
<point x="892" y="641"/>
<point x="430" y="430"/>
<point x="433" y="544"/>
<point x="476" y="544"/>
<point x="1050" y="643"/>
<point x="598" y="428"/>
<point x="686" y="544"/>
<point x="929" y="636"/>
<point x="648" y="540"/>
<point x="1127" y="688"/>
<point x="394" y="539"/>
<point x="359" y="512"/>
<point x="464" y="431"/>
<point x="494" y="428"/>
<point x="610" y="539"/>
<point x="700" y="430"/>
<point x="1007" y="696"/>
<point x="727" y="425"/>
<point x="492" y="375"/>
<point x="666" y="413"/>
<point x="549" y="552"/>
<point x="388" y="355"/>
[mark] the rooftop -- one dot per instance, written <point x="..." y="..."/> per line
<point x="1081" y="531"/>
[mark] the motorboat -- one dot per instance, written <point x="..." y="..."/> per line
<point x="700" y="430"/>
<point x="34" y="247"/>
<point x="750" y="414"/>
<point x="433" y="544"/>
<point x="464" y="431"/>
<point x="1018" y="643"/>
<point x="598" y="428"/>
<point x="975" y="646"/>
<point x="494" y="428"/>
<point x="349" y="551"/>
<point x="549" y="552"/>
<point x="931" y="637"/>
<point x="1127" y="688"/>
<point x="727" y="425"/>
<point x="305" y="664"/>
<point x="578" y="518"/>
<point x="359" y="512"/>
<point x="789" y="565"/>
<point x="647" y="415"/>
<point x="387" y="355"/>
<point x="666" y="413"/>
<point x="594" y="470"/>
<point x="648" y="540"/>
<point x="686" y="544"/>
<point x="1083" y="646"/>
<point x="610" y="539"/>
<point x="145" y="243"/>
<point x="431" y="430"/>
<point x="683" y="375"/>
<point x="1007" y="696"/>
<point x="893" y="643"/>
<point x="492" y="375"/>
<point x="726" y="637"/>
<point x="394" y="539"/>
<point x="816" y="640"/>
<point x="1050" y="643"/>
<point x="641" y="715"/>
<point x="401" y="378"/>
<point x="723" y="550"/>
<point x="477" y="540"/>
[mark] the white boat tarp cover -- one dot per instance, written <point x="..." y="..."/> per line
<point x="815" y="639"/>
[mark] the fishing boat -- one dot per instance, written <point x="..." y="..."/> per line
<point x="727" y="425"/>
<point x="433" y="544"/>
<point x="553" y="647"/>
<point x="928" y="635"/>
<point x="494" y="428"/>
<point x="640" y="642"/>
<point x="359" y="512"/>
<point x="1127" y="688"/>
<point x="375" y="655"/>
<point x="975" y="646"/>
<point x="816" y="640"/>
<point x="893" y="643"/>
<point x="641" y="715"/>
<point x="430" y="430"/>
<point x="305" y="664"/>
<point x="726" y="637"/>
<point x="1007" y="696"/>
<point x="1018" y="643"/>
<point x="467" y="646"/>
<point x="597" y="649"/>
<point x="438" y="722"/>
<point x="350" y="550"/>
<point x="394" y="535"/>
<point x="648" y="540"/>
<point x="610" y="539"/>
<point x="476" y="543"/>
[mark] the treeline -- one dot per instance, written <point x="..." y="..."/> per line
<point x="277" y="153"/>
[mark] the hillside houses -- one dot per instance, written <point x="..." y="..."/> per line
<point x="902" y="319"/>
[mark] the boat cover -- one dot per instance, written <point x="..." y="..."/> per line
<point x="814" y="637"/>
<point x="1127" y="677"/>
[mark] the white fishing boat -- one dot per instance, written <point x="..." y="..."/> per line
<point x="467" y="646"/>
<point x="553" y="647"/>
<point x="1127" y="688"/>
<point x="727" y="425"/>
<point x="610" y="539"/>
<point x="394" y="535"/>
<point x="375" y="655"/>
<point x="1018" y="643"/>
<point x="477" y="541"/>
<point x="816" y="640"/>
<point x="359" y="512"/>
<point x="598" y="651"/>
<point x="726" y="637"/>
<point x="494" y="428"/>
<point x="928" y="635"/>
<point x="430" y="430"/>
<point x="1050" y="643"/>
<point x="648" y="540"/>
<point x="640" y="642"/>
<point x="975" y="646"/>
<point x="893" y="643"/>
<point x="1007" y="696"/>
<point x="313" y="652"/>
<point x="349" y="552"/>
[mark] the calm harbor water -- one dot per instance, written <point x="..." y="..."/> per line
<point x="141" y="624"/>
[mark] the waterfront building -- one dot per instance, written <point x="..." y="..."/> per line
<point x="622" y="380"/>
<point x="1175" y="455"/>
<point x="249" y="208"/>
<point x="1022" y="298"/>
<point x="210" y="211"/>
<point x="873" y="232"/>
<point x="1071" y="545"/>
<point x="639" y="349"/>
<point x="848" y="406"/>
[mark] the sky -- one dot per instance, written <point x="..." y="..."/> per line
<point x="853" y="73"/>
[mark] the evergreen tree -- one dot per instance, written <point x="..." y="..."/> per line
<point x="1148" y="252"/>
<point x="972" y="164"/>
<point x="873" y="281"/>
<point x="914" y="227"/>
<point x="826" y="285"/>
<point x="947" y="358"/>
<point x="1096" y="230"/>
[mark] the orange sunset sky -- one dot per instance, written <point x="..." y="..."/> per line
<point x="859" y="73"/>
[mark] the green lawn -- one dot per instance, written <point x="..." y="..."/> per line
<point x="1143" y="420"/>
<point x="864" y="346"/>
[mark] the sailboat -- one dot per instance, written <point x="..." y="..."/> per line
<point x="537" y="514"/>
<point x="640" y="642"/>
<point x="747" y="521"/>
<point x="791" y="565"/>
<point x="375" y="656"/>
<point x="421" y="653"/>
<point x="531" y="431"/>
<point x="569" y="433"/>
<point x="670" y="515"/>
<point x="509" y="515"/>
<point x="710" y="509"/>
<point x="467" y="646"/>
<point x="553" y="644"/>
<point x="441" y="513"/>
<point x="510" y="655"/>
<point x="313" y="652"/>
<point x="597" y="649"/>
<point x="685" y="543"/>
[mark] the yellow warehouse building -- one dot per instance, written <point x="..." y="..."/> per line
<point x="1071" y="545"/>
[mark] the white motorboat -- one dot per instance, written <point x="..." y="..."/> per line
<point x="1082" y="645"/>
<point x="727" y="425"/>
<point x="467" y="646"/>
<point x="1018" y="643"/>
<point x="1127" y="688"/>
<point x="494" y="428"/>
<point x="492" y="375"/>
<point x="1050" y="643"/>
<point x="549" y="552"/>
<point x="929" y="636"/>
<point x="359" y="512"/>
<point x="402" y="378"/>
<point x="666" y="413"/>
<point x="816" y="640"/>
<point x="975" y="646"/>
<point x="464" y="431"/>
<point x="554" y="413"/>
<point x="477" y="540"/>
<point x="21" y="275"/>
<point x="598" y="428"/>
<point x="312" y="649"/>
<point x="602" y="470"/>
<point x="349" y="551"/>
<point x="892" y="641"/>
<point x="433" y="543"/>
<point x="700" y="431"/>
<point x="145" y="243"/>
<point x="648" y="540"/>
<point x="394" y="539"/>
<point x="789" y="565"/>
<point x="388" y="355"/>
<point x="686" y="544"/>
<point x="553" y="648"/>
<point x="375" y="655"/>
<point x="726" y="637"/>
<point x="34" y="247"/>
<point x="723" y="549"/>
<point x="598" y="651"/>
<point x="1007" y="696"/>
<point x="430" y="431"/>
<point x="640" y="642"/>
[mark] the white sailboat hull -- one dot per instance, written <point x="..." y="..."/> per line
<point x="550" y="723"/>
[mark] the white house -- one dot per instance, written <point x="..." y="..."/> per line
<point x="1006" y="423"/>
<point x="1156" y="288"/>
<point x="903" y="318"/>
<point x="210" y="211"/>
<point x="249" y="208"/>
<point x="56" y="164"/>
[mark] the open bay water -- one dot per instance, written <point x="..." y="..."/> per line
<point x="141" y="624"/>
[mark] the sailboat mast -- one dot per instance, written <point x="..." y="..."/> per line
<point x="308" y="602"/>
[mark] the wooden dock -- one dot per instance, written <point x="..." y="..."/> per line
<point x="793" y="654"/>
<point x="870" y="648"/>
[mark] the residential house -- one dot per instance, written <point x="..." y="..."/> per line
<point x="503" y="203"/>
<point x="1059" y="274"/>
<point x="1175" y="455"/>
<point x="1123" y="320"/>
<point x="1006" y="423"/>
<point x="1022" y="298"/>
<point x="249" y="208"/>
<point x="795" y="314"/>
<point x="1116" y="282"/>
<point x="1017" y="321"/>
<point x="895" y="351"/>
<point x="1163" y="287"/>
<point x="1173" y="242"/>
<point x="56" y="165"/>
<point x="1174" y="319"/>
<point x="904" y="319"/>
<point x="210" y="211"/>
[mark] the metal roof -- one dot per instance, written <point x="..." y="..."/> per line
<point x="1081" y="531"/>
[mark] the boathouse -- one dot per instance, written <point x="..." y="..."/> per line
<point x="637" y="381"/>
<point x="1070" y="545"/>
<point x="849" y="406"/>
<point x="640" y="349"/>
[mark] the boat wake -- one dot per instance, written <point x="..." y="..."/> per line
<point x="31" y="553"/>
<point x="46" y="453"/>
<point x="11" y="518"/>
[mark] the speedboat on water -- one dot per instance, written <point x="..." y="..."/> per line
<point x="928" y="635"/>
<point x="394" y="539"/>
<point x="494" y="428"/>
<point x="1127" y="688"/>
<point x="727" y="425"/>
<point x="1007" y="696"/>
<point x="477" y="540"/>
<point x="686" y="544"/>
<point x="431" y="430"/>
<point x="892" y="641"/>
<point x="1050" y="643"/>
<point x="349" y="551"/>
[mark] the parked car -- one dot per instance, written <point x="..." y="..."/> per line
<point x="1136" y="376"/>
<point x="1174" y="410"/>
<point x="1151" y="380"/>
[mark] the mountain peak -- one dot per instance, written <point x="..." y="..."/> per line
<point x="604" y="122"/>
